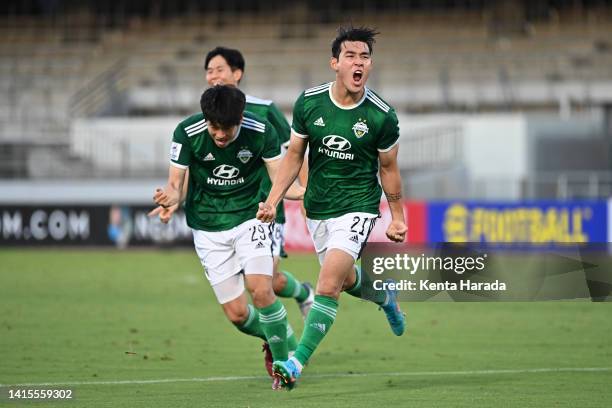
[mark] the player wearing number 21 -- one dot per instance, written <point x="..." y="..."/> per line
<point x="349" y="130"/>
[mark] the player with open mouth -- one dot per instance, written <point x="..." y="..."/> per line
<point x="348" y="129"/>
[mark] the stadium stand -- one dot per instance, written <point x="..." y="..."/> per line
<point x="58" y="71"/>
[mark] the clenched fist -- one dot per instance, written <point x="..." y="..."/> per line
<point x="266" y="212"/>
<point x="396" y="231"/>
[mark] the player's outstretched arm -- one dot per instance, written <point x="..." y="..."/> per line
<point x="285" y="176"/>
<point x="392" y="186"/>
<point x="295" y="191"/>
<point x="303" y="174"/>
<point x="165" y="214"/>
<point x="172" y="193"/>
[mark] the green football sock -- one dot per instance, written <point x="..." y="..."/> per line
<point x="273" y="320"/>
<point x="379" y="296"/>
<point x="293" y="288"/>
<point x="317" y="325"/>
<point x="355" y="290"/>
<point x="251" y="325"/>
<point x="291" y="340"/>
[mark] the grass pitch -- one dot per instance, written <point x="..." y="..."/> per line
<point x="143" y="329"/>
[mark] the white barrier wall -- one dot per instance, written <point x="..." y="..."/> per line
<point x="495" y="147"/>
<point x="492" y="153"/>
<point x="115" y="143"/>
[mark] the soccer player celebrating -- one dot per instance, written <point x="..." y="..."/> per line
<point x="231" y="155"/>
<point x="225" y="66"/>
<point x="349" y="130"/>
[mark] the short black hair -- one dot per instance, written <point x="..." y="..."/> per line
<point x="222" y="105"/>
<point x="233" y="58"/>
<point x="350" y="33"/>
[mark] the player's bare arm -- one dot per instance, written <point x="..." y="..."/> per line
<point x="303" y="174"/>
<point x="303" y="179"/>
<point x="295" y="191"/>
<point x="392" y="186"/>
<point x="286" y="175"/>
<point x="172" y="193"/>
<point x="165" y="214"/>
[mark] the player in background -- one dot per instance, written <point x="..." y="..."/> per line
<point x="232" y="155"/>
<point x="349" y="130"/>
<point x="225" y="66"/>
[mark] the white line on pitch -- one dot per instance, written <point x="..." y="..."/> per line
<point x="330" y="375"/>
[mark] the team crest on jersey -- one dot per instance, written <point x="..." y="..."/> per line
<point x="244" y="155"/>
<point x="360" y="128"/>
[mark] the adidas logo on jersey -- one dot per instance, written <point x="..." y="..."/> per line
<point x="354" y="238"/>
<point x="275" y="339"/>
<point x="209" y="157"/>
<point x="319" y="122"/>
<point x="319" y="326"/>
<point x="259" y="245"/>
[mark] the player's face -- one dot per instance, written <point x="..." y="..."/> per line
<point x="219" y="72"/>
<point x="220" y="135"/>
<point x="353" y="65"/>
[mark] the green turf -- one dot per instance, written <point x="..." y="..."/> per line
<point x="81" y="316"/>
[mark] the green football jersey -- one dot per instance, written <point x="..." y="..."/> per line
<point x="266" y="109"/>
<point x="344" y="143"/>
<point x="225" y="184"/>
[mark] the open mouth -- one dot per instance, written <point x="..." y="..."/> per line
<point x="357" y="75"/>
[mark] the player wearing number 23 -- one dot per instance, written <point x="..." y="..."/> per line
<point x="231" y="155"/>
